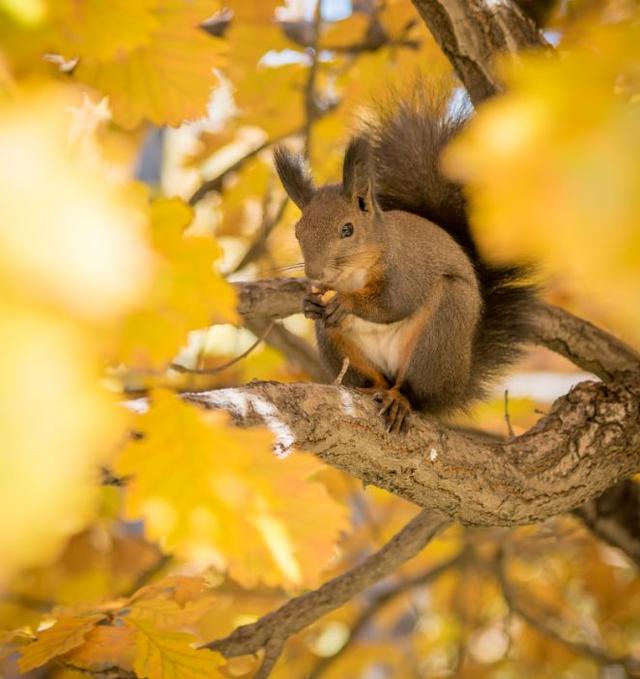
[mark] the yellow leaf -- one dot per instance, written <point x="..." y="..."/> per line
<point x="101" y="29"/>
<point x="71" y="261"/>
<point x="162" y="654"/>
<point x="66" y="634"/>
<point x="104" y="647"/>
<point x="553" y="172"/>
<point x="168" y="614"/>
<point x="80" y="244"/>
<point x="218" y="491"/>
<point x="167" y="81"/>
<point x="182" y="589"/>
<point x="187" y="293"/>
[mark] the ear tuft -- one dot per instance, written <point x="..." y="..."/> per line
<point x="355" y="169"/>
<point x="295" y="175"/>
<point x="358" y="181"/>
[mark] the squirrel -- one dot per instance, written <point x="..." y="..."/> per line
<point x="398" y="285"/>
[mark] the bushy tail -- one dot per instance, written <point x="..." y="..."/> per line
<point x="407" y="135"/>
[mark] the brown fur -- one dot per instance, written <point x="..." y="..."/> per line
<point x="416" y="308"/>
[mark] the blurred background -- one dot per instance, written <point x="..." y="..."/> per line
<point x="136" y="185"/>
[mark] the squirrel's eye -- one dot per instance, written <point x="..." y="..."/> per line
<point x="346" y="230"/>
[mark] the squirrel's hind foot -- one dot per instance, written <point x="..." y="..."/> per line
<point x="394" y="410"/>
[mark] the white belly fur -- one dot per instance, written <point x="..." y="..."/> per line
<point x="381" y="343"/>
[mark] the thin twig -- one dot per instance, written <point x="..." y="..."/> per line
<point x="343" y="371"/>
<point x="507" y="417"/>
<point x="370" y="611"/>
<point x="267" y="225"/>
<point x="310" y="103"/>
<point x="300" y="612"/>
<point x="220" y="368"/>
<point x="272" y="652"/>
<point x="215" y="183"/>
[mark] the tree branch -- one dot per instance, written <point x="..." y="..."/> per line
<point x="472" y="32"/>
<point x="585" y="345"/>
<point x="589" y="441"/>
<point x="273" y="629"/>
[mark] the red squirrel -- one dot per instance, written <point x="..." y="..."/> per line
<point x="397" y="284"/>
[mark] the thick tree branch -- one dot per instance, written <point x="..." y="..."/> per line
<point x="272" y="630"/>
<point x="589" y="441"/>
<point x="472" y="32"/>
<point x="585" y="345"/>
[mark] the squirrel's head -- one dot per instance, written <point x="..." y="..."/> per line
<point x="339" y="229"/>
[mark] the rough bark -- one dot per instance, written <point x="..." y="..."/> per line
<point x="472" y="32"/>
<point x="589" y="441"/>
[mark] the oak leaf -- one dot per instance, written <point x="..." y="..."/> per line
<point x="66" y="634"/>
<point x="102" y="29"/>
<point x="207" y="489"/>
<point x="163" y="654"/>
<point x="104" y="647"/>
<point x="168" y="80"/>
<point x="186" y="294"/>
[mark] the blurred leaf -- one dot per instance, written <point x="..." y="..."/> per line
<point x="229" y="494"/>
<point x="70" y="261"/>
<point x="168" y="80"/>
<point x="553" y="169"/>
<point x="66" y="634"/>
<point x="105" y="647"/>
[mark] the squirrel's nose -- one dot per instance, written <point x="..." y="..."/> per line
<point x="313" y="272"/>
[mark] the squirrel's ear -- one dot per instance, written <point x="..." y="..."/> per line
<point x="357" y="178"/>
<point x="295" y="176"/>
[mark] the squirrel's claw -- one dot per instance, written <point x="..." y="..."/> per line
<point x="312" y="307"/>
<point x="394" y="411"/>
<point x="335" y="312"/>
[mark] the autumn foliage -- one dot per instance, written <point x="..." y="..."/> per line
<point x="135" y="526"/>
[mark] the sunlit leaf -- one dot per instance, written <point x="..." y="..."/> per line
<point x="554" y="174"/>
<point x="161" y="654"/>
<point x="187" y="293"/>
<point x="229" y="495"/>
<point x="102" y="29"/>
<point x="167" y="81"/>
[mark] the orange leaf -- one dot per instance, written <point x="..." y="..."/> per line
<point x="105" y="647"/>
<point x="65" y="635"/>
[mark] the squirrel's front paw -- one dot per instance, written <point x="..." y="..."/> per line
<point x="313" y="306"/>
<point x="328" y="307"/>
<point x="394" y="410"/>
